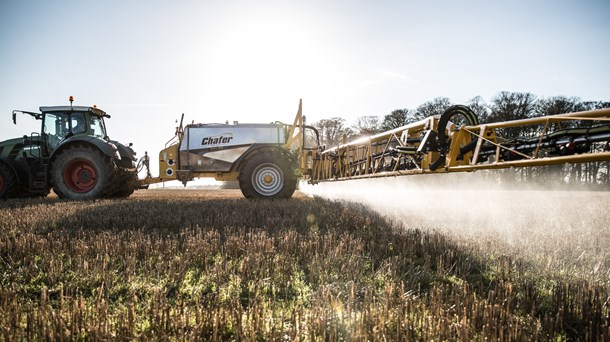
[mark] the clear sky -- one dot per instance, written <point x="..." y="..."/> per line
<point x="146" y="62"/>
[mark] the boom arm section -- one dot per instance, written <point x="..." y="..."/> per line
<point x="438" y="145"/>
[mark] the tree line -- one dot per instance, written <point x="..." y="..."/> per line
<point x="504" y="106"/>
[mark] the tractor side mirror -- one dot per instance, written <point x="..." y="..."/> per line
<point x="14" y="118"/>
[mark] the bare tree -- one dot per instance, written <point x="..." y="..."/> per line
<point x="480" y="108"/>
<point x="508" y="106"/>
<point x="430" y="108"/>
<point x="558" y="105"/>
<point x="367" y="125"/>
<point x="590" y="105"/>
<point x="395" y="119"/>
<point x="332" y="131"/>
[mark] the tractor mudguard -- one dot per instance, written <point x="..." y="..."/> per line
<point x="104" y="146"/>
<point x="128" y="155"/>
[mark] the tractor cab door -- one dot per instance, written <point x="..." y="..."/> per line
<point x="57" y="126"/>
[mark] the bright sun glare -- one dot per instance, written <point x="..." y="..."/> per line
<point x="261" y="53"/>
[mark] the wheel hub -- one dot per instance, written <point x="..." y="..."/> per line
<point x="80" y="175"/>
<point x="268" y="179"/>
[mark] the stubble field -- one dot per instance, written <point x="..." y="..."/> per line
<point x="210" y="265"/>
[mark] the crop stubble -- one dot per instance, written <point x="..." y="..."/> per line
<point x="195" y="265"/>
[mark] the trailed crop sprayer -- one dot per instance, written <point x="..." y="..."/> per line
<point x="267" y="159"/>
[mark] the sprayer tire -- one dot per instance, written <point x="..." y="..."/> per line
<point x="7" y="182"/>
<point x="82" y="173"/>
<point x="267" y="175"/>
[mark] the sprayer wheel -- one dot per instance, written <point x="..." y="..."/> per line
<point x="267" y="175"/>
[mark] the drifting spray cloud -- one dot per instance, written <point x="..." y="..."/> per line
<point x="554" y="227"/>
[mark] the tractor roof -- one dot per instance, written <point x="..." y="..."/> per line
<point x="93" y="110"/>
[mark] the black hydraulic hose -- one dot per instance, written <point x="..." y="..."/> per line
<point x="443" y="143"/>
<point x="315" y="130"/>
<point x="555" y="139"/>
<point x="468" y="148"/>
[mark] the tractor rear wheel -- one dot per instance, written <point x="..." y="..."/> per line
<point x="7" y="182"/>
<point x="82" y="173"/>
<point x="267" y="175"/>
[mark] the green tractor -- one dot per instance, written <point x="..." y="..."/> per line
<point x="71" y="155"/>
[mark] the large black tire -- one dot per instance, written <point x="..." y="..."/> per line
<point x="82" y="173"/>
<point x="7" y="181"/>
<point x="127" y="185"/>
<point x="267" y="175"/>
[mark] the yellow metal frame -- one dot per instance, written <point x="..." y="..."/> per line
<point x="296" y="143"/>
<point x="368" y="157"/>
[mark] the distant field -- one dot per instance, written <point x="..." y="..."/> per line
<point x="210" y="265"/>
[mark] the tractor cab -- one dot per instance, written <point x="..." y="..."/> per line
<point x="63" y="122"/>
<point x="60" y="123"/>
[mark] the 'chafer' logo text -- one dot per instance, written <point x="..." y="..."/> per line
<point x="224" y="138"/>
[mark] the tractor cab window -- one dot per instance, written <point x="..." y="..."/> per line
<point x="78" y="123"/>
<point x="97" y="127"/>
<point x="55" y="128"/>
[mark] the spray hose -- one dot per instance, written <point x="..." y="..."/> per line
<point x="144" y="163"/>
<point x="443" y="142"/>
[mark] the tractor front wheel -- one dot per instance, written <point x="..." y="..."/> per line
<point x="267" y="175"/>
<point x="127" y="184"/>
<point x="7" y="181"/>
<point x="82" y="173"/>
